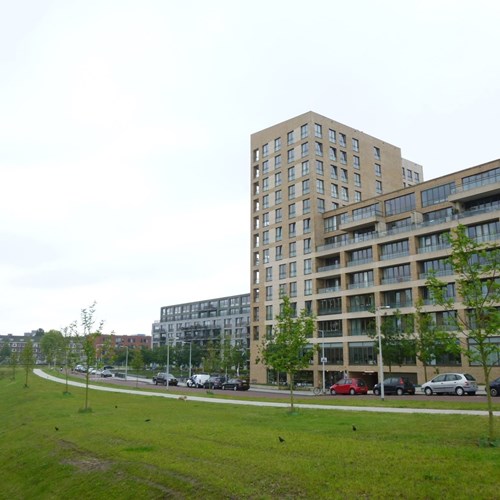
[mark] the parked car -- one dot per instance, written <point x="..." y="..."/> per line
<point x="495" y="387"/>
<point x="199" y="379"/>
<point x="108" y="367"/>
<point x="106" y="373"/>
<point x="214" y="382"/>
<point x="236" y="384"/>
<point x="161" y="378"/>
<point x="349" y="386"/>
<point x="191" y="382"/>
<point x="451" y="383"/>
<point x="395" y="385"/>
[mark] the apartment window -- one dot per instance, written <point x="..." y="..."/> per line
<point x="256" y="172"/>
<point x="278" y="196"/>
<point x="265" y="184"/>
<point x="277" y="162"/>
<point x="376" y="152"/>
<point x="344" y="193"/>
<point x="307" y="245"/>
<point x="278" y="215"/>
<point x="318" y="130"/>
<point x="378" y="187"/>
<point x="357" y="196"/>
<point x="318" y="148"/>
<point x="269" y="273"/>
<point x="342" y="140"/>
<point x="292" y="269"/>
<point x="269" y="292"/>
<point x="378" y="170"/>
<point x="332" y="153"/>
<point x="307" y="266"/>
<point x="282" y="271"/>
<point x="417" y="177"/>
<point x="265" y="238"/>
<point x="265" y="219"/>
<point x="256" y="259"/>
<point x="410" y="175"/>
<point x="265" y="150"/>
<point x="304" y="149"/>
<point x="291" y="192"/>
<point x="277" y="179"/>
<point x="265" y="201"/>
<point x="404" y="172"/>
<point x="343" y="158"/>
<point x="332" y="136"/>
<point x="278" y="233"/>
<point x="334" y="191"/>
<point x="333" y="172"/>
<point x="305" y="168"/>
<point x="269" y="313"/>
<point x="277" y="144"/>
<point x="320" y="186"/>
<point x="282" y="290"/>
<point x="265" y="256"/>
<point x="293" y="289"/>
<point x="343" y="175"/>
<point x="307" y="225"/>
<point x="256" y="155"/>
<point x="306" y="186"/>
<point x="289" y="138"/>
<point x="278" y="252"/>
<point x="396" y="274"/>
<point x="401" y="204"/>
<point x="304" y="131"/>
<point x="292" y="229"/>
<point x="292" y="249"/>
<point x="291" y="155"/>
<point x="355" y="145"/>
<point x="319" y="167"/>
<point x="308" y="287"/>
<point x="357" y="180"/>
<point x="321" y="205"/>
<point x="437" y="194"/>
<point x="335" y="205"/>
<point x="291" y="210"/>
<point x="306" y="206"/>
<point x="356" y="162"/>
<point x="265" y="166"/>
<point x="256" y="189"/>
<point x="291" y="174"/>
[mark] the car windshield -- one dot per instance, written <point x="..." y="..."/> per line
<point x="469" y="377"/>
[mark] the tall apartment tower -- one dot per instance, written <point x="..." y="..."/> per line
<point x="300" y="169"/>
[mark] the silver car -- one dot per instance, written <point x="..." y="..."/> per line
<point x="451" y="383"/>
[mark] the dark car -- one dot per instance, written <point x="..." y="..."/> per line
<point x="495" y="387"/>
<point x="349" y="386"/>
<point x="395" y="385"/>
<point x="236" y="384"/>
<point x="161" y="378"/>
<point x="106" y="373"/>
<point x="214" y="382"/>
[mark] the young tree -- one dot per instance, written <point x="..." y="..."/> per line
<point x="287" y="350"/>
<point x="476" y="266"/>
<point x="5" y="351"/>
<point x="137" y="364"/>
<point x="51" y="345"/>
<point x="13" y="362"/>
<point x="27" y="359"/>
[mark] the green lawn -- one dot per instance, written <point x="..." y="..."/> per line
<point x="142" y="447"/>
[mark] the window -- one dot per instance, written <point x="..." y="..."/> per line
<point x="305" y="167"/>
<point x="265" y="166"/>
<point x="332" y="136"/>
<point x="357" y="162"/>
<point x="265" y="184"/>
<point x="291" y="174"/>
<point x="265" y="238"/>
<point x="265" y="150"/>
<point x="269" y="313"/>
<point x="333" y="172"/>
<point x="265" y="201"/>
<point x="277" y="179"/>
<point x="343" y="157"/>
<point x="308" y="288"/>
<point x="343" y="175"/>
<point x="269" y="292"/>
<point x="318" y="148"/>
<point x="332" y="153"/>
<point x="278" y="233"/>
<point x="256" y="155"/>
<point x="291" y="210"/>
<point x="342" y="140"/>
<point x="404" y="172"/>
<point x="319" y="167"/>
<point x="304" y="149"/>
<point x="306" y="186"/>
<point x="318" y="130"/>
<point x="265" y="256"/>
<point x="293" y="289"/>
<point x="417" y="177"/>
<point x="304" y="131"/>
<point x="292" y="269"/>
<point x="278" y="252"/>
<point x="438" y="194"/>
<point x="291" y="155"/>
<point x="307" y="245"/>
<point x="357" y="196"/>
<point x="344" y="193"/>
<point x="292" y="249"/>
<point x="277" y="161"/>
<point x="320" y="187"/>
<point x="291" y="192"/>
<point x="269" y="273"/>
<point x="410" y="175"/>
<point x="277" y="197"/>
<point x="292" y="229"/>
<point x="400" y="204"/>
<point x="306" y="206"/>
<point x="357" y="180"/>
<point x="334" y="191"/>
<point x="256" y="172"/>
<point x="282" y="271"/>
<point x="307" y="266"/>
<point x="307" y="225"/>
<point x="376" y="152"/>
<point x="265" y="219"/>
<point x="278" y="215"/>
<point x="355" y="145"/>
<point x="289" y="138"/>
<point x="282" y="290"/>
<point x="378" y="170"/>
<point x="378" y="187"/>
<point x="277" y="144"/>
<point x="321" y="205"/>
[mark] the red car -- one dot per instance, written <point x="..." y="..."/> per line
<point x="349" y="386"/>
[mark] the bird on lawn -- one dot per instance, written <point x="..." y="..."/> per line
<point x="147" y="420"/>
<point x="281" y="439"/>
<point x="354" y="428"/>
<point x="56" y="428"/>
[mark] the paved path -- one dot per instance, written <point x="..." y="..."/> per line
<point x="273" y="404"/>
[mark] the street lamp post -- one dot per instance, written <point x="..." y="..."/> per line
<point x="168" y="358"/>
<point x="380" y="356"/>
<point x="126" y="361"/>
<point x="190" y="353"/>
<point x="323" y="359"/>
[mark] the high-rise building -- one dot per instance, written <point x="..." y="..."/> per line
<point x="343" y="225"/>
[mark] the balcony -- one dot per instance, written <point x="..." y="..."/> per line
<point x="392" y="281"/>
<point x="328" y="268"/>
<point x="438" y="272"/>
<point x="433" y="248"/>
<point x="474" y="190"/>
<point x="330" y="289"/>
<point x="394" y="255"/>
<point x="363" y="284"/>
<point x="358" y="262"/>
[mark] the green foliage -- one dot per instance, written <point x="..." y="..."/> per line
<point x="5" y="351"/>
<point x="52" y="346"/>
<point x="27" y="359"/>
<point x="477" y="270"/>
<point x="288" y="350"/>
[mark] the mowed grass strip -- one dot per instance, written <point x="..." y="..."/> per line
<point x="133" y="446"/>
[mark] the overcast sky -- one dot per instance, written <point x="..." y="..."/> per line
<point x="125" y="132"/>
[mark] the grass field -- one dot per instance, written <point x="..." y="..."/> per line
<point x="141" y="447"/>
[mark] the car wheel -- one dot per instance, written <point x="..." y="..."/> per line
<point x="399" y="391"/>
<point x="428" y="391"/>
<point x="235" y="388"/>
<point x="493" y="392"/>
<point x="459" y="391"/>
<point x="333" y="392"/>
<point x="376" y="392"/>
<point x="223" y="387"/>
<point x="352" y="392"/>
<point x="156" y="382"/>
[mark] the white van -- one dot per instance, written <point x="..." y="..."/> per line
<point x="200" y="378"/>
